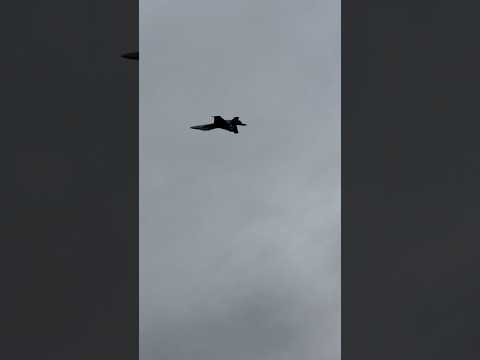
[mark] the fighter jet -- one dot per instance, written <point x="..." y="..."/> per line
<point x="131" y="56"/>
<point x="220" y="123"/>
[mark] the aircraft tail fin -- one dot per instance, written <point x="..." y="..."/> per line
<point x="236" y="121"/>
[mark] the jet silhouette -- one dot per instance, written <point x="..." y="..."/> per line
<point x="131" y="56"/>
<point x="220" y="123"/>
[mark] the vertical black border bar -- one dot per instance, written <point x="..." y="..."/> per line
<point x="69" y="224"/>
<point x="410" y="160"/>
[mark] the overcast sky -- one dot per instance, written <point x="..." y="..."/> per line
<point x="240" y="234"/>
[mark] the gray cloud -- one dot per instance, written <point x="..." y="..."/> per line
<point x="240" y="234"/>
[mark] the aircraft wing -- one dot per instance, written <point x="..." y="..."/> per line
<point x="219" y="121"/>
